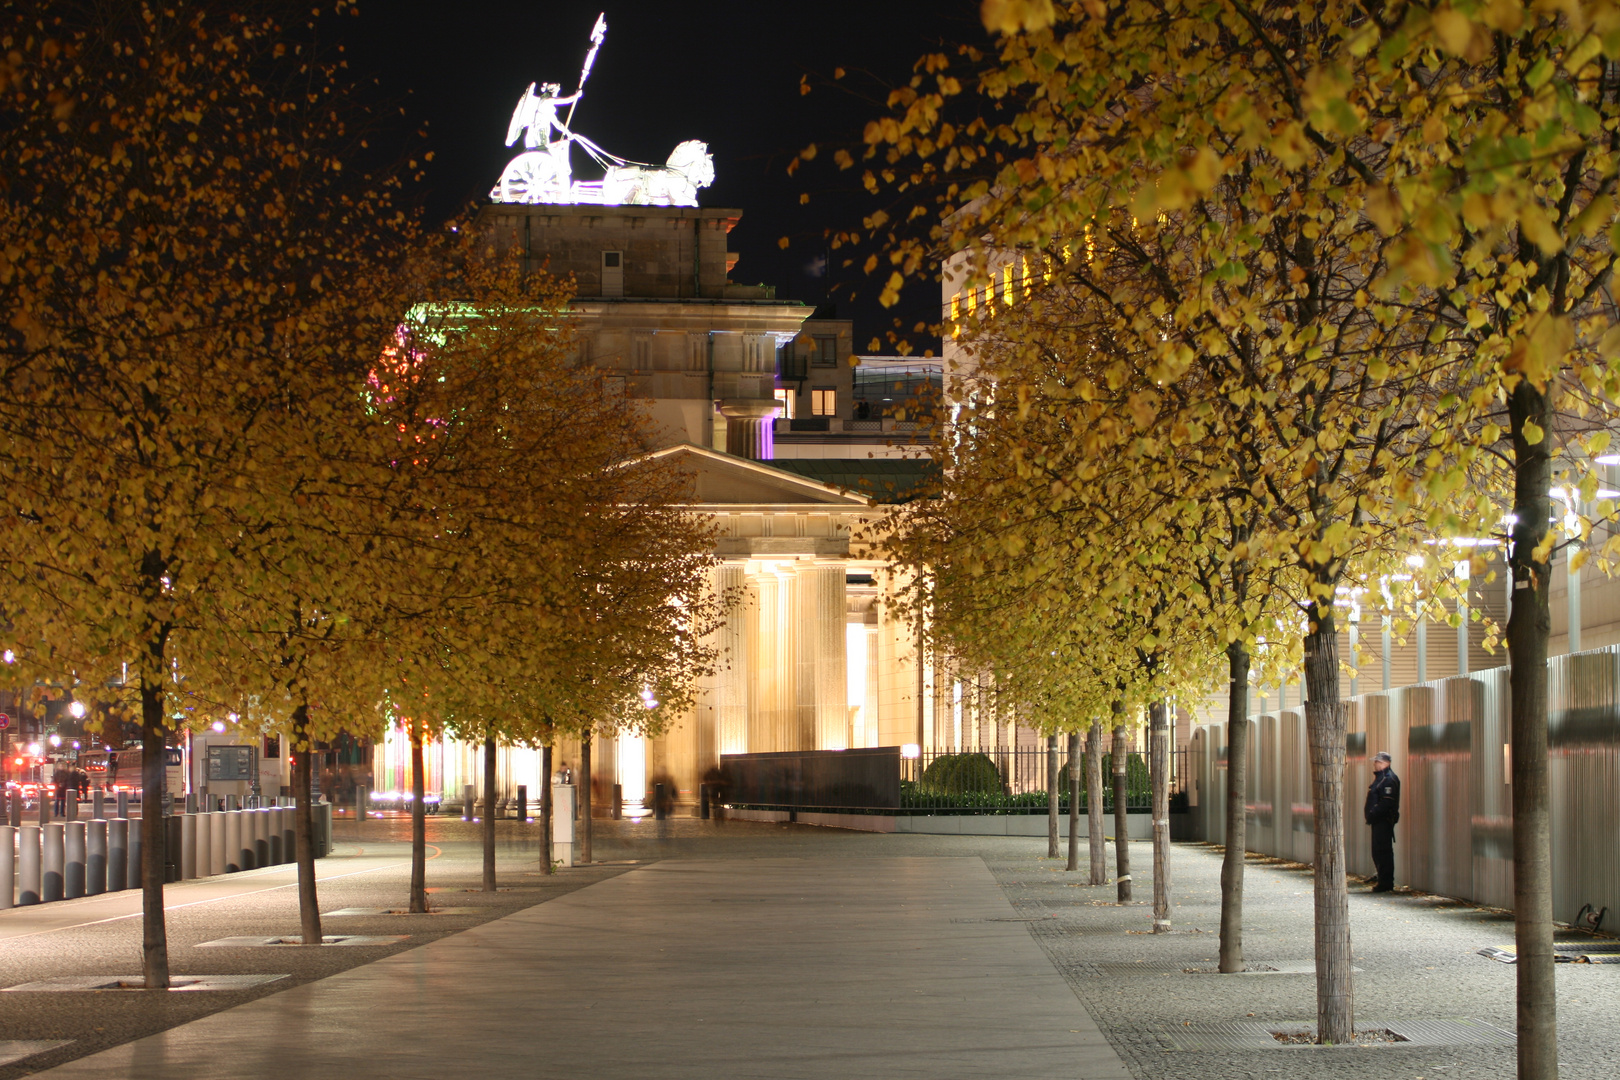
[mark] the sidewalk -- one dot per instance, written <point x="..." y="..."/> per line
<point x="809" y="967"/>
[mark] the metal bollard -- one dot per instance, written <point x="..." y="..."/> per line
<point x="362" y="802"/>
<point x="703" y="801"/>
<point x="98" y="799"/>
<point x="8" y="866"/>
<point x="469" y="801"/>
<point x="289" y="834"/>
<point x="117" y="854"/>
<point x="660" y="806"/>
<point x="188" y="846"/>
<point x="261" y="837"/>
<point x="275" y="836"/>
<point x="523" y="803"/>
<point x="50" y="860"/>
<point x="73" y="878"/>
<point x="232" y="803"/>
<point x="16" y="808"/>
<point x="95" y="857"/>
<point x="205" y="844"/>
<point x="44" y="805"/>
<point x="216" y="844"/>
<point x="245" y="854"/>
<point x="70" y="807"/>
<point x="123" y="804"/>
<point x="28" y="844"/>
<point x="133" y="873"/>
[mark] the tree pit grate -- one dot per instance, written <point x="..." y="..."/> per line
<point x="1249" y="1035"/>
<point x="252" y="942"/>
<point x="177" y="983"/>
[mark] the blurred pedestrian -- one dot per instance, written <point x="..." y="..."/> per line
<point x="60" y="779"/>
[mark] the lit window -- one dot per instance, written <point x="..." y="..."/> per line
<point x="1006" y="284"/>
<point x="784" y="403"/>
<point x="823" y="402"/>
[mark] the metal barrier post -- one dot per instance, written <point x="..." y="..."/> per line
<point x="28" y="845"/>
<point x="123" y="804"/>
<point x="132" y="873"/>
<point x="8" y="866"/>
<point x="117" y="854"/>
<point x="188" y="846"/>
<point x="73" y="877"/>
<point x="261" y="836"/>
<point x="51" y="868"/>
<point x="95" y="857"/>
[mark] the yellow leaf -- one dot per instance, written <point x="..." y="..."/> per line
<point x="1532" y="432"/>
<point x="1454" y="30"/>
<point x="1016" y="16"/>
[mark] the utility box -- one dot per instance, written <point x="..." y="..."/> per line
<point x="562" y="823"/>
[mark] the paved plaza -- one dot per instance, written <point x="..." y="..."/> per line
<point x="751" y="950"/>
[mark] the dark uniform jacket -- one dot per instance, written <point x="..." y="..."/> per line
<point x="1384" y="798"/>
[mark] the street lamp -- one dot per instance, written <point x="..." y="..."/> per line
<point x="77" y="710"/>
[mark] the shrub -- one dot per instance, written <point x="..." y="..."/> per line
<point x="964" y="774"/>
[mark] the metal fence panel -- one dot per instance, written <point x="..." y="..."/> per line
<point x="1491" y="825"/>
<point x="859" y="779"/>
<point x="1260" y="794"/>
<point x="1583" y="710"/>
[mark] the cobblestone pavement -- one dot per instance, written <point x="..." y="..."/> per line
<point x="1417" y="957"/>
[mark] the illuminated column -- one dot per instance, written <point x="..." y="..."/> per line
<point x="873" y="674"/>
<point x="749" y="431"/>
<point x="732" y="678"/>
<point x="822" y="683"/>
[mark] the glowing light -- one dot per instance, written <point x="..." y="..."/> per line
<point x="9" y="657"/>
<point x="911" y="750"/>
<point x="1414" y="561"/>
<point x="219" y="725"/>
<point x="1607" y="459"/>
<point x="56" y="740"/>
<point x="77" y="709"/>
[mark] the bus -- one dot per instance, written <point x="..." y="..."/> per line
<point x="124" y="772"/>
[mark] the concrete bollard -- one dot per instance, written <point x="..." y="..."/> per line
<point x="73" y="879"/>
<point x="216" y="843"/>
<point x="50" y="862"/>
<point x="523" y="803"/>
<point x="261" y="836"/>
<point x="16" y="808"/>
<point x="132" y="873"/>
<point x="98" y="799"/>
<point x="8" y="866"/>
<point x="95" y="857"/>
<point x="123" y="804"/>
<point x="28" y="890"/>
<point x="188" y="846"/>
<point x="117" y="854"/>
<point x="70" y="806"/>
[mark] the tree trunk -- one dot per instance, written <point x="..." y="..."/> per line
<point x="489" y="813"/>
<point x="1527" y="632"/>
<point x="1052" y="802"/>
<point x="1325" y="725"/>
<point x="418" y="903"/>
<point x="1122" y="821"/>
<point x="1094" y="805"/>
<point x="154" y="776"/>
<point x="585" y="797"/>
<point x="1237" y="773"/>
<point x="1159" y="763"/>
<point x="545" y="810"/>
<point x="303" y="751"/>
<point x="1074" y="800"/>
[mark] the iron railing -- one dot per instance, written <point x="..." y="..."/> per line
<point x="1014" y="781"/>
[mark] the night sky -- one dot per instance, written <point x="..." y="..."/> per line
<point x="723" y="71"/>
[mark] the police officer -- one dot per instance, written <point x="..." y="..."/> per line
<point x="1382" y="812"/>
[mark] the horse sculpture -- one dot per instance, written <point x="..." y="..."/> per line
<point x="675" y="183"/>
